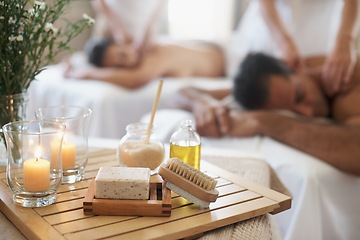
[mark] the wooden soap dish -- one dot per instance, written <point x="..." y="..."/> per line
<point x="159" y="203"/>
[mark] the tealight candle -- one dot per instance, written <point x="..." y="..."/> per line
<point x="36" y="175"/>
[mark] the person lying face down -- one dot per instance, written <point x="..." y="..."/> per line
<point x="122" y="65"/>
<point x="262" y="86"/>
<point x="103" y="52"/>
<point x="264" y="82"/>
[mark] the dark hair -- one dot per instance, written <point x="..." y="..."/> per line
<point x="251" y="80"/>
<point x="95" y="49"/>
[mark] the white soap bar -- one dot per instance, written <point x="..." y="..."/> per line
<point x="122" y="183"/>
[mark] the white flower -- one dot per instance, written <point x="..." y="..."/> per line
<point x="31" y="25"/>
<point x="19" y="38"/>
<point x="89" y="19"/>
<point x="12" y="20"/>
<point x="41" y="5"/>
<point x="12" y="38"/>
<point x="32" y="12"/>
<point x="50" y="27"/>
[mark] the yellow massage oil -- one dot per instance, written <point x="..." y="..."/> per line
<point x="185" y="144"/>
<point x="188" y="154"/>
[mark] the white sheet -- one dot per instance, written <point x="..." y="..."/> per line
<point x="325" y="200"/>
<point x="113" y="107"/>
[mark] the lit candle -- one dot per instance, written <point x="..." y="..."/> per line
<point x="36" y="175"/>
<point x="68" y="153"/>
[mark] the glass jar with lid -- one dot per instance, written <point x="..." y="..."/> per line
<point x="140" y="147"/>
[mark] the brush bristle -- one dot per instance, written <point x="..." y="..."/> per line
<point x="190" y="173"/>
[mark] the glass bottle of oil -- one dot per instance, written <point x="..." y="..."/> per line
<point x="185" y="144"/>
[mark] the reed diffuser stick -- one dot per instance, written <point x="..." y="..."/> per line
<point x="153" y="111"/>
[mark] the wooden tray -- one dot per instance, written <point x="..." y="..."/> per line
<point x="238" y="200"/>
<point x="158" y="205"/>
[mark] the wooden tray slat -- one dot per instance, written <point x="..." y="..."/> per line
<point x="72" y="195"/>
<point x="201" y="223"/>
<point x="64" y="217"/>
<point x="90" y="222"/>
<point x="284" y="201"/>
<point x="187" y="211"/>
<point x="230" y="188"/>
<point x="79" y="185"/>
<point x="60" y="207"/>
<point x="100" y="152"/>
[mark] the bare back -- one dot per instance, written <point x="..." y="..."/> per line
<point x="187" y="59"/>
<point x="344" y="105"/>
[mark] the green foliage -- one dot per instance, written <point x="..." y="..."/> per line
<point x="29" y="39"/>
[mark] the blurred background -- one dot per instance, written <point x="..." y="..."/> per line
<point x="211" y="20"/>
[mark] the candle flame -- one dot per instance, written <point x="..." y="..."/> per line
<point x="38" y="152"/>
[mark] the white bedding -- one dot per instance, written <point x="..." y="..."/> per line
<point x="113" y="107"/>
<point x="325" y="200"/>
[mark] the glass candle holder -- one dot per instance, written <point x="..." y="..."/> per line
<point x="34" y="172"/>
<point x="75" y="145"/>
<point x="137" y="150"/>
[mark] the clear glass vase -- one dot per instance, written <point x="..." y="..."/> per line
<point x="34" y="172"/>
<point x="12" y="108"/>
<point x="75" y="145"/>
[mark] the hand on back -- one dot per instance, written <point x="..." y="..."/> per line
<point x="338" y="68"/>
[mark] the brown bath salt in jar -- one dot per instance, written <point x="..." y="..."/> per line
<point x="135" y="151"/>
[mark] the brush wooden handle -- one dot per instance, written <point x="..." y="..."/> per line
<point x="188" y="186"/>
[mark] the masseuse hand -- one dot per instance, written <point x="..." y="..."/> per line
<point x="338" y="68"/>
<point x="211" y="117"/>
<point x="291" y="56"/>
